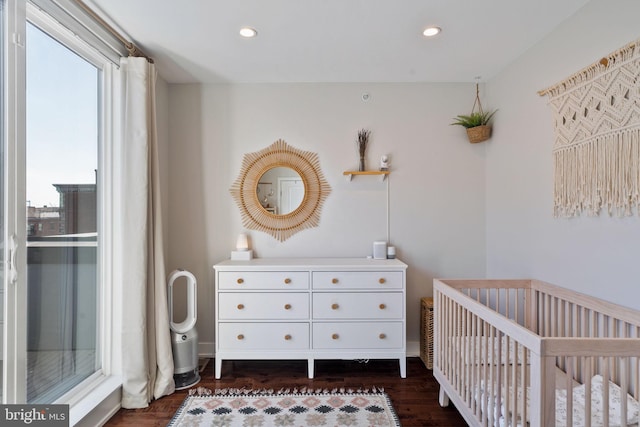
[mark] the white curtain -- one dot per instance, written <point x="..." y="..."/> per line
<point x="147" y="360"/>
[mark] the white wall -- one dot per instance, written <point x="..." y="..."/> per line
<point x="456" y="209"/>
<point x="597" y="256"/>
<point x="436" y="187"/>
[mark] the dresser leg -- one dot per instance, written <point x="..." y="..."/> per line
<point x="218" y="361"/>
<point x="310" y="368"/>
<point x="403" y="367"/>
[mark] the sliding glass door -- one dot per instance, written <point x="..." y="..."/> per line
<point x="52" y="159"/>
<point x="62" y="111"/>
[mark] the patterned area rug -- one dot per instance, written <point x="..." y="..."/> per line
<point x="288" y="407"/>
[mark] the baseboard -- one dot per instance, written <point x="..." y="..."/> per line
<point x="413" y="348"/>
<point x="207" y="349"/>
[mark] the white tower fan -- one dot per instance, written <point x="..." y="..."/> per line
<point x="184" y="337"/>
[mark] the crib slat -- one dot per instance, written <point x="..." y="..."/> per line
<point x="624" y="389"/>
<point x="547" y="321"/>
<point x="513" y="358"/>
<point x="468" y="360"/>
<point x="569" y="395"/>
<point x="503" y="395"/>
<point x="587" y="396"/>
<point x="459" y="359"/>
<point x="507" y="303"/>
<point x="487" y="379"/>
<point x="523" y="381"/>
<point x="474" y="367"/>
<point x="605" y="397"/>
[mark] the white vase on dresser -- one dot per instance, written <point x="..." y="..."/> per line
<point x="310" y="308"/>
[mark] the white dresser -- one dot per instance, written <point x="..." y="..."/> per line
<point x="310" y="308"/>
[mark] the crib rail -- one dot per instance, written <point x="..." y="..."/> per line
<point x="509" y="351"/>
<point x="558" y="312"/>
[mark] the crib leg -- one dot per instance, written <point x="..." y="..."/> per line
<point x="443" y="399"/>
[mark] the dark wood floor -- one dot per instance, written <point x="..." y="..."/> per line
<point x="415" y="398"/>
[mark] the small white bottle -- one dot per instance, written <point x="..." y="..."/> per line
<point x="391" y="252"/>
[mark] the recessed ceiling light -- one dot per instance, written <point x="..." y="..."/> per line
<point x="248" y="32"/>
<point x="431" y="31"/>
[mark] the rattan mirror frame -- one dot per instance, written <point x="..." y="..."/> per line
<point x="316" y="190"/>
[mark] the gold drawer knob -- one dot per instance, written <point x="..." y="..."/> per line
<point x="287" y="306"/>
<point x="287" y="337"/>
<point x="335" y="336"/>
<point x="382" y="306"/>
<point x="240" y="306"/>
<point x="334" y="280"/>
<point x="240" y="337"/>
<point x="287" y="281"/>
<point x="382" y="280"/>
<point x="382" y="336"/>
<point x="240" y="281"/>
<point x="335" y="306"/>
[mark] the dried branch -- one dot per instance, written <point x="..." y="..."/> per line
<point x="363" y="140"/>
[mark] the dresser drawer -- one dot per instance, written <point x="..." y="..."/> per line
<point x="358" y="335"/>
<point x="263" y="336"/>
<point x="253" y="305"/>
<point x="357" y="280"/>
<point x="351" y="305"/>
<point x="263" y="280"/>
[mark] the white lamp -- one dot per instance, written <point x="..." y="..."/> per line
<point x="242" y="252"/>
<point x="242" y="244"/>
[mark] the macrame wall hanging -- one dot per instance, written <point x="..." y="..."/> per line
<point x="597" y="137"/>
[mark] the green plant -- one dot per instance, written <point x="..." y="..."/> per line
<point x="472" y="120"/>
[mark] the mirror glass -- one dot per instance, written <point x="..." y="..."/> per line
<point x="280" y="190"/>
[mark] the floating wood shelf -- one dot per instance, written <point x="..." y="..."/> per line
<point x="350" y="174"/>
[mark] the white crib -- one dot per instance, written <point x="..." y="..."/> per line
<point x="528" y="353"/>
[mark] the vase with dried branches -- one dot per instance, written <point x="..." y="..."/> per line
<point x="363" y="141"/>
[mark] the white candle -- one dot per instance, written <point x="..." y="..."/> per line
<point x="242" y="243"/>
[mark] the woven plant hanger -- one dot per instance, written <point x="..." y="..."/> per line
<point x="478" y="133"/>
<point x="477" y="100"/>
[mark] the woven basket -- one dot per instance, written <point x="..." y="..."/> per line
<point x="426" y="332"/>
<point x="479" y="133"/>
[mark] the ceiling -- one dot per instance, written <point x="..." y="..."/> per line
<point x="334" y="40"/>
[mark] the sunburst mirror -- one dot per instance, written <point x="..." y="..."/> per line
<point x="280" y="190"/>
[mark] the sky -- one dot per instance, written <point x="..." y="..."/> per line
<point x="62" y="118"/>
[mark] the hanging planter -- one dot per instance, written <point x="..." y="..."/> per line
<point x="476" y="123"/>
<point x="479" y="133"/>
